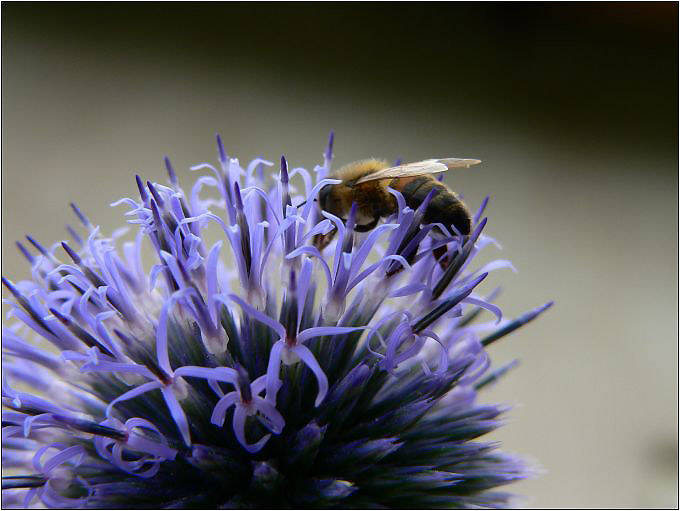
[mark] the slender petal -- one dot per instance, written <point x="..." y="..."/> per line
<point x="259" y="316"/>
<point x="308" y="358"/>
<point x="274" y="421"/>
<point x="138" y="391"/>
<point x="240" y="416"/>
<point x="273" y="367"/>
<point x="177" y="413"/>
<point x="222" y="406"/>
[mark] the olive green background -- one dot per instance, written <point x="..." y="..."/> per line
<point x="572" y="108"/>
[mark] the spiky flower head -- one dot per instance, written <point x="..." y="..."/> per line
<point x="261" y="372"/>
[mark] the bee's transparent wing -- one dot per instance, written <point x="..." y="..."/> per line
<point x="419" y="168"/>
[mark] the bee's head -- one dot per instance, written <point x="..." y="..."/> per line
<point x="336" y="199"/>
<point x="326" y="198"/>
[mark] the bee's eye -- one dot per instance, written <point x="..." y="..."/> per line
<point x="324" y="194"/>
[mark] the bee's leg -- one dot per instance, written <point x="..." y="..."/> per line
<point x="321" y="241"/>
<point x="440" y="255"/>
<point x="367" y="227"/>
<point x="396" y="267"/>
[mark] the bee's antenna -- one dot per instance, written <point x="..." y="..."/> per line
<point x="305" y="202"/>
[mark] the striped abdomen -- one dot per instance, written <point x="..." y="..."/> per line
<point x="445" y="206"/>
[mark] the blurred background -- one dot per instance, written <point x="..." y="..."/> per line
<point x="572" y="108"/>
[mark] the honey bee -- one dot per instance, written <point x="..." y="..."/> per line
<point x="365" y="183"/>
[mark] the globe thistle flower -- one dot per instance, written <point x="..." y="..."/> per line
<point x="257" y="371"/>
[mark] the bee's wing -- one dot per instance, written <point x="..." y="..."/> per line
<point x="419" y="168"/>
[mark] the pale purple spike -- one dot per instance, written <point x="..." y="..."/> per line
<point x="290" y="309"/>
<point x="142" y="190"/>
<point x="162" y="356"/>
<point x="156" y="195"/>
<point x="24" y="302"/>
<point x="239" y="200"/>
<point x="284" y="170"/>
<point x="71" y="253"/>
<point x="29" y="257"/>
<point x="447" y="304"/>
<point x="13" y="344"/>
<point x="404" y="222"/>
<point x="127" y="341"/>
<point x="79" y="332"/>
<point x="203" y="318"/>
<point x="289" y="233"/>
<point x="80" y="215"/>
<point x="171" y="171"/>
<point x="220" y="149"/>
<point x="414" y="243"/>
<point x="238" y="246"/>
<point x="496" y="374"/>
<point x="478" y="230"/>
<point x="426" y="202"/>
<point x="514" y="324"/>
<point x="292" y="283"/>
<point x="329" y="148"/>
<point x="74" y="234"/>
<point x="38" y="246"/>
<point x="350" y="224"/>
<point x="481" y="209"/>
<point x="337" y="293"/>
<point x="161" y="228"/>
<point x="303" y="286"/>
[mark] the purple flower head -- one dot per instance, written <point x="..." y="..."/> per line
<point x="256" y="370"/>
